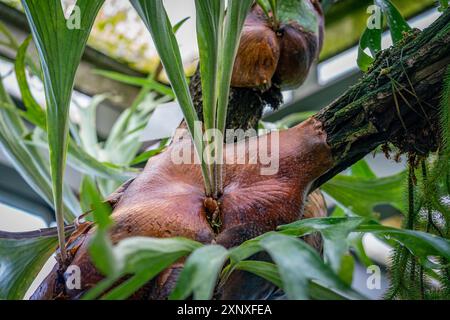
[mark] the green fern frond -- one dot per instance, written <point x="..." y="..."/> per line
<point x="445" y="113"/>
<point x="404" y="276"/>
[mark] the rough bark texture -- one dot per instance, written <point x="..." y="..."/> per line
<point x="397" y="101"/>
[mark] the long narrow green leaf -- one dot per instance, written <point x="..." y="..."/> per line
<point x="34" y="111"/>
<point x="13" y="45"/>
<point x="370" y="39"/>
<point x="100" y="246"/>
<point x="266" y="270"/>
<point x="334" y="231"/>
<point x="234" y="22"/>
<point x="11" y="40"/>
<point x="210" y="15"/>
<point x="397" y="24"/>
<point x="269" y="271"/>
<point x="143" y="258"/>
<point x="20" y="262"/>
<point x="138" y="280"/>
<point x="155" y="18"/>
<point x="137" y="253"/>
<point x="248" y="248"/>
<point x="327" y="279"/>
<point x="294" y="119"/>
<point x="89" y="165"/>
<point x="200" y="273"/>
<point x="421" y="244"/>
<point x="298" y="263"/>
<point x="60" y="50"/>
<point x="143" y="157"/>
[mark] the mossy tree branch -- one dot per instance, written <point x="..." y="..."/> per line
<point x="397" y="101"/>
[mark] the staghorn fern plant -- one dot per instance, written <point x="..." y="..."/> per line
<point x="142" y="259"/>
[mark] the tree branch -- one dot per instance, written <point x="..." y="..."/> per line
<point x="397" y="101"/>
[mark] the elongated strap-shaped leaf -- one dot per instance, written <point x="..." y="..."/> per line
<point x="60" y="45"/>
<point x="137" y="252"/>
<point x="143" y="258"/>
<point x="28" y="162"/>
<point x="155" y="18"/>
<point x="210" y="14"/>
<point x="138" y="280"/>
<point x="298" y="263"/>
<point x="20" y="262"/>
<point x="234" y="22"/>
<point x="88" y="125"/>
<point x="334" y="231"/>
<point x="34" y="111"/>
<point x="145" y="156"/>
<point x="395" y="20"/>
<point x="370" y="39"/>
<point x="421" y="244"/>
<point x="200" y="273"/>
<point x="335" y="234"/>
<point x="269" y="271"/>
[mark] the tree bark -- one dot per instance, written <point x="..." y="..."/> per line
<point x="396" y="102"/>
